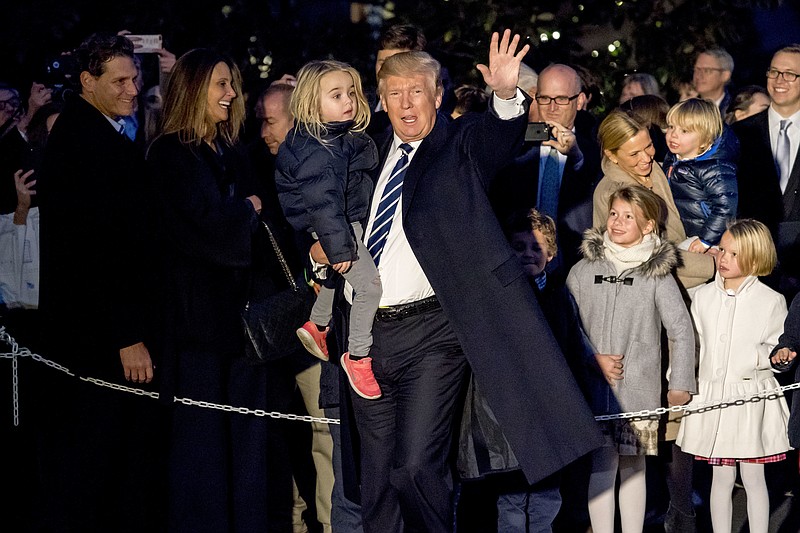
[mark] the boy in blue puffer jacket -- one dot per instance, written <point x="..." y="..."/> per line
<point x="701" y="167"/>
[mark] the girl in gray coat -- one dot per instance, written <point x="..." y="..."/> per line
<point x="625" y="293"/>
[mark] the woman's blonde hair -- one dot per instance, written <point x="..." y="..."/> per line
<point x="649" y="203"/>
<point x="757" y="255"/>
<point x="306" y="106"/>
<point x="617" y="129"/>
<point x="186" y="101"/>
<point x="697" y="114"/>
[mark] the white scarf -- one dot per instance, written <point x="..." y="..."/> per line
<point x="629" y="258"/>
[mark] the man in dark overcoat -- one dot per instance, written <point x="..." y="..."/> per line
<point x="100" y="457"/>
<point x="454" y="297"/>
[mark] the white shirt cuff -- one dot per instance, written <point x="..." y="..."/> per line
<point x="508" y="109"/>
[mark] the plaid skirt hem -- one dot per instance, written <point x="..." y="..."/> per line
<point x="726" y="461"/>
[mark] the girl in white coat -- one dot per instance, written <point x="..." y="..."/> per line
<point x="739" y="320"/>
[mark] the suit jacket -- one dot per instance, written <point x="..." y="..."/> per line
<point x="485" y="294"/>
<point x="517" y="189"/>
<point x="94" y="244"/>
<point x="760" y="195"/>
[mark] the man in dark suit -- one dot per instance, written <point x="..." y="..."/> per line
<point x="454" y="296"/>
<point x="769" y="172"/>
<point x="570" y="160"/>
<point x="102" y="459"/>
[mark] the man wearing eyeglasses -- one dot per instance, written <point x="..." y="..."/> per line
<point x="769" y="174"/>
<point x="712" y="73"/>
<point x="556" y="176"/>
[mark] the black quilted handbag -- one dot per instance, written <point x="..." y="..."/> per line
<point x="270" y="322"/>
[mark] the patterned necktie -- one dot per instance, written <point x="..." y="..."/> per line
<point x="551" y="182"/>
<point x="782" y="154"/>
<point x="387" y="206"/>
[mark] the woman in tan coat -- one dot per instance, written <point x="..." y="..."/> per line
<point x="628" y="160"/>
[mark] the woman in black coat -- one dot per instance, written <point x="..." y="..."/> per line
<point x="207" y="220"/>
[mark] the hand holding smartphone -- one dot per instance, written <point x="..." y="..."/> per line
<point x="538" y="132"/>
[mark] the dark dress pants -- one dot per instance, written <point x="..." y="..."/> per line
<point x="406" y="435"/>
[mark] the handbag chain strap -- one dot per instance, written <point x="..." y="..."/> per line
<point x="281" y="259"/>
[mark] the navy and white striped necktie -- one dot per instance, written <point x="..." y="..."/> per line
<point x="388" y="205"/>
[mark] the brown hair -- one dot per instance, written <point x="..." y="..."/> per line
<point x="743" y="100"/>
<point x="186" y="100"/>
<point x="403" y="37"/>
<point x="528" y="221"/>
<point x="648" y="109"/>
<point x="100" y="48"/>
<point x="650" y="204"/>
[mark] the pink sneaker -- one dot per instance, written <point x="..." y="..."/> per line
<point x="359" y="373"/>
<point x="314" y="340"/>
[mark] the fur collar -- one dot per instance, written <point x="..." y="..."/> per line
<point x="664" y="259"/>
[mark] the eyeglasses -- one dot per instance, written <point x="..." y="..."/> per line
<point x="560" y="100"/>
<point x="705" y="71"/>
<point x="787" y="76"/>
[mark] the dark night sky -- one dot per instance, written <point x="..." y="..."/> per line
<point x="34" y="29"/>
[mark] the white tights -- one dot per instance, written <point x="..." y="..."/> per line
<point x="755" y="485"/>
<point x="632" y="491"/>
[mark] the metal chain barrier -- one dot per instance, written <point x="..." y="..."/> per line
<point x="772" y="394"/>
<point x="20" y="351"/>
<point x="17" y="351"/>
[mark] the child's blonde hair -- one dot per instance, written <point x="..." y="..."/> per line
<point x="529" y="221"/>
<point x="305" y="104"/>
<point x="649" y="203"/>
<point x="756" y="248"/>
<point x="697" y="114"/>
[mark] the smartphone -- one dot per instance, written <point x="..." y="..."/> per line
<point x="146" y="44"/>
<point x="537" y="131"/>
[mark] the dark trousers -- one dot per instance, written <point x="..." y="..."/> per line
<point x="406" y="435"/>
<point x="102" y="458"/>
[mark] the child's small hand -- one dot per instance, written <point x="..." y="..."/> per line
<point x="698" y="247"/>
<point x="611" y="366"/>
<point x="678" y="397"/>
<point x="342" y="267"/>
<point x="783" y="357"/>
